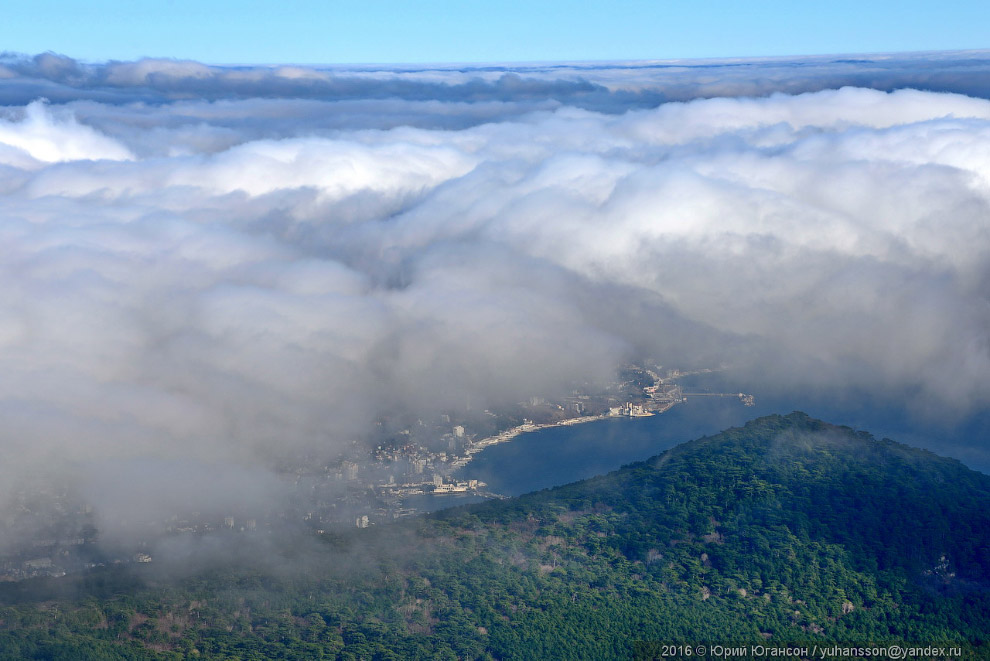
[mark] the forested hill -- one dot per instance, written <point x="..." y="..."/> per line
<point x="792" y="478"/>
<point x="785" y="530"/>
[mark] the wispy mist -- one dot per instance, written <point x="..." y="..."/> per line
<point x="208" y="270"/>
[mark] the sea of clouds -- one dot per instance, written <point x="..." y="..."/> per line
<point x="207" y="270"/>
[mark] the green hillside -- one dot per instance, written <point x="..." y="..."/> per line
<point x="787" y="530"/>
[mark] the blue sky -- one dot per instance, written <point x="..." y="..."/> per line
<point x="394" y="31"/>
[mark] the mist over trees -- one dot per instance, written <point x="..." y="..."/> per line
<point x="209" y="272"/>
<point x="785" y="531"/>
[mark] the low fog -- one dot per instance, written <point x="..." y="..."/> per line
<point x="212" y="273"/>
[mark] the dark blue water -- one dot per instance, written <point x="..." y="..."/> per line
<point x="560" y="455"/>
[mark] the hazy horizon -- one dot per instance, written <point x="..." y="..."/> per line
<point x="211" y="272"/>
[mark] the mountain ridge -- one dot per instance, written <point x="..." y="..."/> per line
<point x="787" y="529"/>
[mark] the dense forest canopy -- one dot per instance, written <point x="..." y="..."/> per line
<point x="785" y="530"/>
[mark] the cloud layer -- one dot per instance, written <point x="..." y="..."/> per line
<point x="233" y="267"/>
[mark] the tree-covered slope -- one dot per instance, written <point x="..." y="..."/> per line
<point x="747" y="491"/>
<point x="787" y="529"/>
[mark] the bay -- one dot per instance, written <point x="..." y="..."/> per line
<point x="559" y="455"/>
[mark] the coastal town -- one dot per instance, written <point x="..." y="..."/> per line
<point x="423" y="460"/>
<point x="411" y="467"/>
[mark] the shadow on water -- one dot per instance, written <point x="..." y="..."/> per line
<point x="559" y="455"/>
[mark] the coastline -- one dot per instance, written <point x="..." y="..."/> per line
<point x="509" y="434"/>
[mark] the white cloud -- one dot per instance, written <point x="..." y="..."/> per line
<point x="189" y="281"/>
<point x="49" y="139"/>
